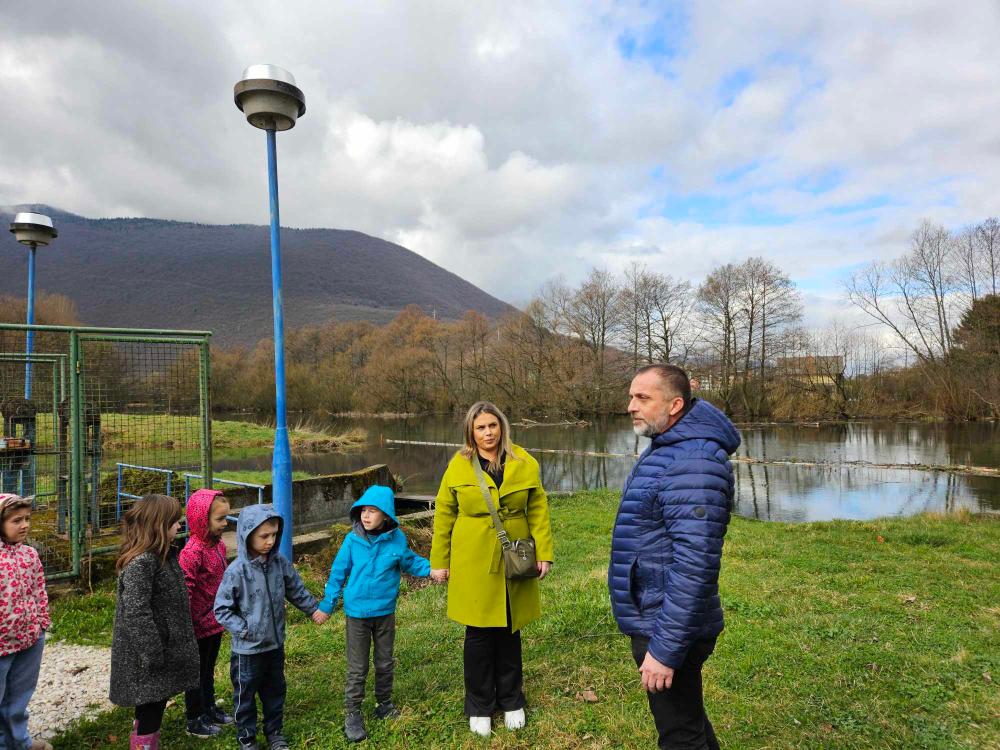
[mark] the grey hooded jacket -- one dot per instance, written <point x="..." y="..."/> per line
<point x="250" y="603"/>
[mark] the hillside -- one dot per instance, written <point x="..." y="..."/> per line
<point x="151" y="273"/>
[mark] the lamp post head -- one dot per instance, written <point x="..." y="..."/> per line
<point x="33" y="229"/>
<point x="269" y="98"/>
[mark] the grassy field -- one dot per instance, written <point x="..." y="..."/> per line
<point x="132" y="431"/>
<point x="883" y="634"/>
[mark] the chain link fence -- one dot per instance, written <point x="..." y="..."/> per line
<point x="114" y="414"/>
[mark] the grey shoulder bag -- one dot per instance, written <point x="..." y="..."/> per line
<point x="518" y="555"/>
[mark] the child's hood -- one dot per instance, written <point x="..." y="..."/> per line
<point x="198" y="507"/>
<point x="380" y="497"/>
<point x="250" y="518"/>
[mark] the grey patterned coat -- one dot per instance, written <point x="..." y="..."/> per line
<point x="154" y="654"/>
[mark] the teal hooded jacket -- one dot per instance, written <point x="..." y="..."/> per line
<point x="366" y="571"/>
<point x="250" y="602"/>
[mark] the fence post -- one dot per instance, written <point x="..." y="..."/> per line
<point x="205" y="403"/>
<point x="76" y="463"/>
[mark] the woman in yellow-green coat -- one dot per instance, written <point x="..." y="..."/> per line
<point x="467" y="554"/>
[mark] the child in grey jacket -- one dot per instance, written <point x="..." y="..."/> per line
<point x="250" y="604"/>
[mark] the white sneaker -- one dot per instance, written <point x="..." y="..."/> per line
<point x="480" y="725"/>
<point x="514" y="719"/>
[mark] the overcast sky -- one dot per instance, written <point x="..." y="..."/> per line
<point x="514" y="141"/>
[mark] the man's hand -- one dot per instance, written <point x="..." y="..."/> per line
<point x="320" y="617"/>
<point x="543" y="567"/>
<point x="439" y="575"/>
<point x="656" y="677"/>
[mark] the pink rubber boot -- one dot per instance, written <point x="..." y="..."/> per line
<point x="145" y="741"/>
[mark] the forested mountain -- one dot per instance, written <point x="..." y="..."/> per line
<point x="151" y="273"/>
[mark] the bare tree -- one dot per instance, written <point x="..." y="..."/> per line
<point x="719" y="304"/>
<point x="669" y="335"/>
<point x="988" y="241"/>
<point x="595" y="320"/>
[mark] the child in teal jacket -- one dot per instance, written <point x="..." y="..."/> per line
<point x="370" y="560"/>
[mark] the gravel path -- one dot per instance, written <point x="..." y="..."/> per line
<point x="73" y="683"/>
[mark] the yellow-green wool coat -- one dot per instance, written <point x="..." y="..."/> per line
<point x="466" y="543"/>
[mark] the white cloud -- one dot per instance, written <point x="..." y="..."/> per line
<point x="511" y="142"/>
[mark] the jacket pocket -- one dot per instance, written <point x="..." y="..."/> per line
<point x="634" y="589"/>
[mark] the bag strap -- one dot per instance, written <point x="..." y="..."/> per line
<point x="497" y="523"/>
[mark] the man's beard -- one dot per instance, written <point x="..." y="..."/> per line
<point x="645" y="430"/>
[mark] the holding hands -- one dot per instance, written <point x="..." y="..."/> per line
<point x="319" y="617"/>
<point x="439" y="575"/>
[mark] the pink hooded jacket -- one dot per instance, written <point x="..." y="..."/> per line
<point x="203" y="561"/>
<point x="24" y="603"/>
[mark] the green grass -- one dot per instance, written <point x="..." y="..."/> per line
<point x="834" y="639"/>
<point x="255" y="477"/>
<point x="131" y="431"/>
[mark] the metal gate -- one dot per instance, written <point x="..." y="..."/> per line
<point x="114" y="414"/>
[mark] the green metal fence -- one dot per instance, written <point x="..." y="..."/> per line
<point x="114" y="414"/>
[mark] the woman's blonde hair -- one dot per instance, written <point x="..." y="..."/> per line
<point x="145" y="526"/>
<point x="506" y="446"/>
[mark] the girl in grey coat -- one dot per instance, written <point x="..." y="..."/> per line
<point x="154" y="654"/>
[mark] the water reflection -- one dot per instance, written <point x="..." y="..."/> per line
<point x="791" y="493"/>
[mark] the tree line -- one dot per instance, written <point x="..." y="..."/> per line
<point x="932" y="348"/>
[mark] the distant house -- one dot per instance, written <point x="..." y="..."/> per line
<point x="815" y="370"/>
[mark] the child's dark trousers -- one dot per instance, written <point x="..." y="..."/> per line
<point x="258" y="674"/>
<point x="362" y="632"/>
<point x="202" y="698"/>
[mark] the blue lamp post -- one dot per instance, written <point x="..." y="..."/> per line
<point x="271" y="101"/>
<point x="31" y="230"/>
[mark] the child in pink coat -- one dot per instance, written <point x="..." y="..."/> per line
<point x="24" y="618"/>
<point x="203" y="561"/>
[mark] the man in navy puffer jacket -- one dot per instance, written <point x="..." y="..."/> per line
<point x="666" y="548"/>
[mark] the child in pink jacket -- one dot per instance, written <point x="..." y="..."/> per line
<point x="203" y="561"/>
<point x="24" y="618"/>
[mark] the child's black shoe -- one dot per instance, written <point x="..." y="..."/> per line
<point x="277" y="742"/>
<point x="354" y="727"/>
<point x="219" y="717"/>
<point x="202" y="727"/>
<point x="386" y="711"/>
<point x="249" y="745"/>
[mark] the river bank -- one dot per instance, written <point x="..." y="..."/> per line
<point x="882" y="633"/>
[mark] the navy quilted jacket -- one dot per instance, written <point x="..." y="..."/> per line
<point x="666" y="547"/>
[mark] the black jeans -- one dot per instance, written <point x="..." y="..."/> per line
<point x="494" y="678"/>
<point x="149" y="717"/>
<point x="202" y="698"/>
<point x="361" y="633"/>
<point x="679" y="712"/>
<point x="258" y="674"/>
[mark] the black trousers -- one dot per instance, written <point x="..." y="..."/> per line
<point x="202" y="698"/>
<point x="361" y="633"/>
<point x="264" y="675"/>
<point x="149" y="717"/>
<point x="679" y="712"/>
<point x="494" y="677"/>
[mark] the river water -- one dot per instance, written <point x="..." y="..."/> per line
<point x="837" y="488"/>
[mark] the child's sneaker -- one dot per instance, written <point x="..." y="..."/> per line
<point x="386" y="711"/>
<point x="219" y="717"/>
<point x="249" y="745"/>
<point x="354" y="727"/>
<point x="277" y="742"/>
<point x="202" y="727"/>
